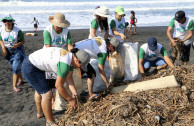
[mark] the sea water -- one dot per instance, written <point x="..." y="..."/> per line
<point x="80" y="12"/>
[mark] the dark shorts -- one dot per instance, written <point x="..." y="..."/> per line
<point x="35" y="77"/>
<point x="35" y="26"/>
<point x="186" y="53"/>
<point x="15" y="58"/>
<point x="90" y="71"/>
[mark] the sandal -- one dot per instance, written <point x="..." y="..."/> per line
<point x="51" y="123"/>
<point x="19" y="83"/>
<point x="39" y="115"/>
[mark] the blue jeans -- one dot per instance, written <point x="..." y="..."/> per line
<point x="15" y="58"/>
<point x="154" y="63"/>
<point x="35" y="77"/>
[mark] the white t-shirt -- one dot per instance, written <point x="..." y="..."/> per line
<point x="9" y="37"/>
<point x="48" y="59"/>
<point x="96" y="48"/>
<point x="120" y="27"/>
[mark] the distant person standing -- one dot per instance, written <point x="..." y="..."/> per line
<point x="11" y="41"/>
<point x="36" y="23"/>
<point x="133" y="22"/>
<point x="183" y="28"/>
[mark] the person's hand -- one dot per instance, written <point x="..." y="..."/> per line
<point x="123" y="37"/>
<point x="14" y="46"/>
<point x="73" y="103"/>
<point x="5" y="52"/>
<point x="74" y="96"/>
<point x="173" y="42"/>
<point x="143" y="75"/>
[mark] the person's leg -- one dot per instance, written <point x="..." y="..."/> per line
<point x="130" y="27"/>
<point x="146" y="65"/>
<point x="46" y="106"/>
<point x="16" y="67"/>
<point x="186" y="54"/>
<point x="15" y="80"/>
<point x="135" y="29"/>
<point x="38" y="98"/>
<point x="90" y="83"/>
<point x="160" y="63"/>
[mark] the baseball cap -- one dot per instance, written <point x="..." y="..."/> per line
<point x="83" y="56"/>
<point x="152" y="43"/>
<point x="179" y="15"/>
<point x="115" y="42"/>
<point x="120" y="10"/>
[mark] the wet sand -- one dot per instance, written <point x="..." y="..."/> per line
<point x="19" y="108"/>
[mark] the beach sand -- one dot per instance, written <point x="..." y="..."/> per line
<point x="19" y="108"/>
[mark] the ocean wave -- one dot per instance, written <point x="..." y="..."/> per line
<point x="21" y="3"/>
<point x="90" y="10"/>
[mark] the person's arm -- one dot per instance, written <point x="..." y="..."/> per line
<point x="69" y="43"/>
<point x="101" y="62"/>
<point x="103" y="75"/>
<point x="129" y="35"/>
<point x="166" y="57"/>
<point x="169" y="30"/>
<point x="62" y="72"/>
<point x="141" y="69"/>
<point x="168" y="61"/>
<point x="94" y="26"/>
<point x="20" y="40"/>
<point x="47" y="38"/>
<point x="141" y="57"/>
<point x="71" y="84"/>
<point x="113" y="28"/>
<point x="62" y="91"/>
<point x="3" y="46"/>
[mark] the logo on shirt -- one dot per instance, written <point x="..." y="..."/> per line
<point x="59" y="41"/>
<point x="63" y="52"/>
<point x="9" y="39"/>
<point x="151" y="56"/>
<point x="121" y="26"/>
<point x="181" y="29"/>
<point x="98" y="41"/>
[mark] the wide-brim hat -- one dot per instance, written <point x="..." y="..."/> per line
<point x="103" y="11"/>
<point x="59" y="20"/>
<point x="7" y="17"/>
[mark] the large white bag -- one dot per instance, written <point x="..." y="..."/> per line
<point x="60" y="102"/>
<point x="99" y="84"/>
<point x="131" y="61"/>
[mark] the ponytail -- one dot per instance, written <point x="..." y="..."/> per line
<point x="74" y="50"/>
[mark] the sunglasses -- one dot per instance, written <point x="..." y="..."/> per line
<point x="5" y="20"/>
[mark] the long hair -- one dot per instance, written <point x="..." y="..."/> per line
<point x="102" y="23"/>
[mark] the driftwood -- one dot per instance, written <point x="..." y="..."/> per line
<point x="177" y="50"/>
<point x="167" y="106"/>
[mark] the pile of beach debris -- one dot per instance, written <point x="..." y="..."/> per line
<point x="168" y="106"/>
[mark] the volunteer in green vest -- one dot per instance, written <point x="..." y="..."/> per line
<point x="56" y="60"/>
<point x="99" y="25"/>
<point x="149" y="56"/>
<point x="183" y="28"/>
<point x="11" y="41"/>
<point x="118" y="27"/>
<point x="97" y="49"/>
